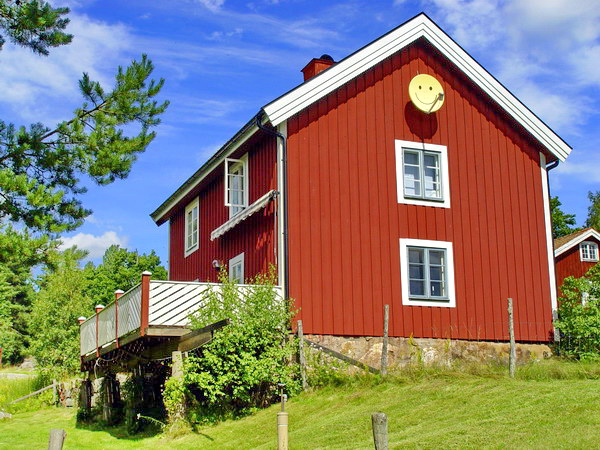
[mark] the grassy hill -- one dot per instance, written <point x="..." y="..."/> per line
<point x="545" y="407"/>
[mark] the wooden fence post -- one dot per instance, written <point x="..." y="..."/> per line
<point x="384" y="349"/>
<point x="380" y="431"/>
<point x="54" y="392"/>
<point x="512" y="357"/>
<point x="301" y="357"/>
<point x="57" y="439"/>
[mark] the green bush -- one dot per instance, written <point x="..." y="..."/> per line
<point x="578" y="320"/>
<point x="239" y="370"/>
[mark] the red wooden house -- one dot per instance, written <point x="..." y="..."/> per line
<point x="576" y="253"/>
<point x="361" y="199"/>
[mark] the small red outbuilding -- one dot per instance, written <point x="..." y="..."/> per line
<point x="576" y="253"/>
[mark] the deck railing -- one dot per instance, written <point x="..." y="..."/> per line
<point x="148" y="304"/>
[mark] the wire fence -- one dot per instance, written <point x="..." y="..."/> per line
<point x="577" y="346"/>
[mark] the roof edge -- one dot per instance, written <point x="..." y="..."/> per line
<point x="577" y="240"/>
<point x="243" y="134"/>
<point x="420" y="26"/>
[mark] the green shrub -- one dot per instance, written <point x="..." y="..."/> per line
<point x="579" y="321"/>
<point x="239" y="369"/>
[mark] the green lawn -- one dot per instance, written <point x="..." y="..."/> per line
<point x="438" y="410"/>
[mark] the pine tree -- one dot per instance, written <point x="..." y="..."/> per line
<point x="33" y="24"/>
<point x="41" y="167"/>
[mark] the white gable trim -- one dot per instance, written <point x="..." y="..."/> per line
<point x="421" y="26"/>
<point x="578" y="240"/>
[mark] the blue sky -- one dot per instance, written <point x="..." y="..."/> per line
<point x="223" y="60"/>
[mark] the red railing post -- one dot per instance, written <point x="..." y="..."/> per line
<point x="98" y="309"/>
<point x="145" y="303"/>
<point x="118" y="294"/>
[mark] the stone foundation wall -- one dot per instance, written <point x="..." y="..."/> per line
<point x="405" y="351"/>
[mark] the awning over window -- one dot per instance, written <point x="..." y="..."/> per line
<point x="254" y="207"/>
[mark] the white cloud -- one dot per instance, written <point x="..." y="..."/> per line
<point x="202" y="110"/>
<point x="220" y="35"/>
<point x="582" y="165"/>
<point x="95" y="245"/>
<point x="26" y="78"/>
<point x="212" y="5"/>
<point x="545" y="51"/>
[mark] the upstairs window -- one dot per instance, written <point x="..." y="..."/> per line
<point x="422" y="174"/>
<point x="588" y="251"/>
<point x="236" y="269"/>
<point x="236" y="184"/>
<point x="191" y="227"/>
<point x="427" y="272"/>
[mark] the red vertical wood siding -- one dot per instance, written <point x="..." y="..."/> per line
<point x="255" y="236"/>
<point x="345" y="222"/>
<point x="569" y="264"/>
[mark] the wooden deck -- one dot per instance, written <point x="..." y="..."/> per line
<point x="151" y="309"/>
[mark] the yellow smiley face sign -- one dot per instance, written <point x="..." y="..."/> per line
<point x="426" y="93"/>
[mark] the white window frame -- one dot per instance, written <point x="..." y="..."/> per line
<point x="188" y="250"/>
<point x="591" y="245"/>
<point x="444" y="178"/>
<point x="231" y="163"/>
<point x="237" y="260"/>
<point x="404" y="280"/>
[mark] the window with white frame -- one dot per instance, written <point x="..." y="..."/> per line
<point x="427" y="273"/>
<point x="236" y="269"/>
<point x="422" y="174"/>
<point x="236" y="184"/>
<point x="192" y="212"/>
<point x="589" y="251"/>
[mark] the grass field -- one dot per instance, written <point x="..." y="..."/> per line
<point x="11" y="389"/>
<point x="547" y="407"/>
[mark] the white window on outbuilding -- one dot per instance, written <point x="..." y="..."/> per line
<point x="192" y="226"/>
<point x="236" y="269"/>
<point x="427" y="273"/>
<point x="236" y="184"/>
<point x="422" y="174"/>
<point x="588" y="251"/>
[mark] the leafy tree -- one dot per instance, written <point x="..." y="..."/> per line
<point x="11" y="341"/>
<point x="239" y="369"/>
<point x="579" y="315"/>
<point x="562" y="224"/>
<point x="19" y="252"/>
<point x="120" y="269"/>
<point x="58" y="304"/>
<point x="593" y="218"/>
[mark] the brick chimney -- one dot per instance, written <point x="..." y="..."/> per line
<point x="316" y="66"/>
